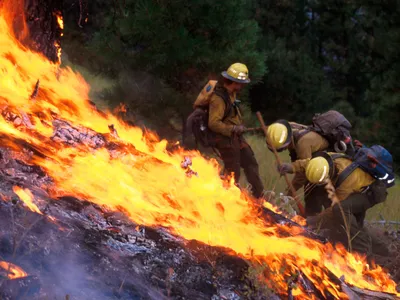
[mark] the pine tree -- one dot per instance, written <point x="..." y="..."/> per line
<point x="384" y="90"/>
<point x="295" y="86"/>
<point x="181" y="41"/>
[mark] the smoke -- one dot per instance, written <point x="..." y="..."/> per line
<point x="71" y="259"/>
<point x="72" y="276"/>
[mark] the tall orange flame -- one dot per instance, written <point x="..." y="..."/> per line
<point x="60" y="20"/>
<point x="13" y="271"/>
<point x="148" y="183"/>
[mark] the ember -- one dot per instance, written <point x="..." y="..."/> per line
<point x="69" y="140"/>
<point x="12" y="271"/>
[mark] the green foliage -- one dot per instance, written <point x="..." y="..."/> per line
<point x="295" y="85"/>
<point x="333" y="54"/>
<point x="143" y="95"/>
<point x="180" y="39"/>
<point x="99" y="84"/>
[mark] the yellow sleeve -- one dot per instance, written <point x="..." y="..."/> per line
<point x="299" y="180"/>
<point x="304" y="148"/>
<point x="216" y="113"/>
<point x="310" y="143"/>
<point x="299" y="166"/>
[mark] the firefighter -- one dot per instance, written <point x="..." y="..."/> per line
<point x="356" y="192"/>
<point x="301" y="144"/>
<point x="230" y="143"/>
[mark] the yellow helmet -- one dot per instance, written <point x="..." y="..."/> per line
<point x="279" y="135"/>
<point x="317" y="169"/>
<point x="237" y="72"/>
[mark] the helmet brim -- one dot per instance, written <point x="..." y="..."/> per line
<point x="227" y="76"/>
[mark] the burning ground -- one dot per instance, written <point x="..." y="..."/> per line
<point x="110" y="212"/>
<point x="79" y="249"/>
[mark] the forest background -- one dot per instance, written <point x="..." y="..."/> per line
<point x="304" y="57"/>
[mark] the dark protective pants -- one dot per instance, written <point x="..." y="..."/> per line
<point x="236" y="154"/>
<point x="315" y="198"/>
<point x="353" y="209"/>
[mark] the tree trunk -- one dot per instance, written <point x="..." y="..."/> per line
<point x="44" y="30"/>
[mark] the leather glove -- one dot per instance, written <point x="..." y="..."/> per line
<point x="285" y="168"/>
<point x="358" y="144"/>
<point x="238" y="129"/>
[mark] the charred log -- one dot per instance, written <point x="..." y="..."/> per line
<point x="72" y="136"/>
<point x="272" y="217"/>
<point x="35" y="90"/>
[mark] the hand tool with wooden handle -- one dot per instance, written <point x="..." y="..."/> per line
<point x="296" y="198"/>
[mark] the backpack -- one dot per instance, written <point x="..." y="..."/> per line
<point x="376" y="161"/>
<point x="333" y="126"/>
<point x="197" y="123"/>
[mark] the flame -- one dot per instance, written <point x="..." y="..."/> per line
<point x="26" y="196"/>
<point x="60" y="23"/>
<point x="121" y="108"/>
<point x="60" y="20"/>
<point x="13" y="271"/>
<point x="146" y="182"/>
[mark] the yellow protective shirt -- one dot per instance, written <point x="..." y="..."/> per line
<point x="216" y="114"/>
<point x="308" y="144"/>
<point x="216" y="107"/>
<point x="354" y="183"/>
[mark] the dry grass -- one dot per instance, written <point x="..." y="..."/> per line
<point x="267" y="163"/>
<point x="389" y="210"/>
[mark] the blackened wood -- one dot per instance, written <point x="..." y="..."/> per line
<point x="41" y="18"/>
<point x="273" y="217"/>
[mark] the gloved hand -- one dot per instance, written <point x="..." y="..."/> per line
<point x="358" y="144"/>
<point x="238" y="129"/>
<point x="285" y="168"/>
